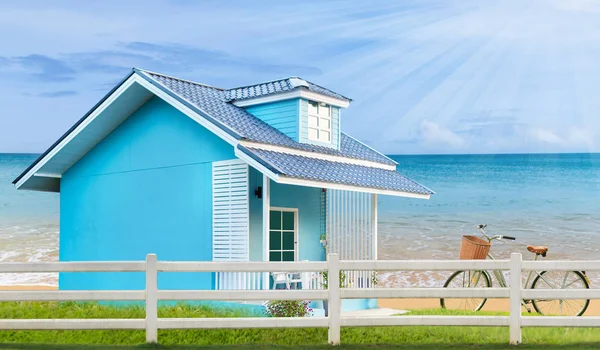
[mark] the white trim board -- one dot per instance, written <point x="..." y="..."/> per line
<point x="134" y="78"/>
<point x="315" y="155"/>
<point x="77" y="130"/>
<point x="296" y="93"/>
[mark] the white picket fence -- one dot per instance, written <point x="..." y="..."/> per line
<point x="151" y="295"/>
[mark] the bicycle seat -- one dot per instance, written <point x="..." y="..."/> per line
<point x="538" y="249"/>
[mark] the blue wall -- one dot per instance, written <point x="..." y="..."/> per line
<point x="282" y="115"/>
<point x="146" y="188"/>
<point x="305" y="199"/>
<point x="335" y="126"/>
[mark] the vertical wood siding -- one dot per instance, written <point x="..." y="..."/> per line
<point x="349" y="231"/>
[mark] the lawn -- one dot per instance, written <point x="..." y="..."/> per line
<point x="309" y="338"/>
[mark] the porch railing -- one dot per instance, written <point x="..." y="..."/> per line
<point x="308" y="280"/>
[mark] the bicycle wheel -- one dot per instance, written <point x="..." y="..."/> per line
<point x="560" y="280"/>
<point x="466" y="279"/>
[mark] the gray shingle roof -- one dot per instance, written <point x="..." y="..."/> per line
<point x="334" y="172"/>
<point x="243" y="125"/>
<point x="275" y="87"/>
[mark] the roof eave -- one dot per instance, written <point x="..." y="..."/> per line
<point x="81" y="120"/>
<point x="337" y="186"/>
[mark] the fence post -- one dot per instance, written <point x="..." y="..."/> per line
<point x="515" y="298"/>
<point x="151" y="299"/>
<point x="334" y="297"/>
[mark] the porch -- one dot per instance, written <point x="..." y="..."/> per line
<point x="290" y="223"/>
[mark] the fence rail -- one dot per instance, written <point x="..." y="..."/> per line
<point x="151" y="295"/>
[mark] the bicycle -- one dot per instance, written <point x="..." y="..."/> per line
<point x="541" y="280"/>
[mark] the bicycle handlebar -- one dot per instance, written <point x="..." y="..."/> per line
<point x="509" y="237"/>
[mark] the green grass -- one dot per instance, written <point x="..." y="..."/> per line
<point x="309" y="338"/>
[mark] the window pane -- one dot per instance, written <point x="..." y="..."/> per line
<point x="275" y="256"/>
<point x="313" y="108"/>
<point x="288" y="220"/>
<point x="288" y="256"/>
<point x="275" y="220"/>
<point x="324" y="111"/>
<point x="313" y="134"/>
<point x="288" y="240"/>
<point x="325" y="136"/>
<point x="324" y="123"/>
<point x="313" y="121"/>
<point x="275" y="240"/>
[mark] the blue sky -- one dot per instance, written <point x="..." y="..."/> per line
<point x="425" y="76"/>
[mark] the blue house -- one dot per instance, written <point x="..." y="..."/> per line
<point x="194" y="172"/>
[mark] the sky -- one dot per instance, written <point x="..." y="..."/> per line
<point x="425" y="76"/>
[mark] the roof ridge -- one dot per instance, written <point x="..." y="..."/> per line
<point x="265" y="82"/>
<point x="180" y="79"/>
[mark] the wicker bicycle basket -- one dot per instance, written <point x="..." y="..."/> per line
<point x="473" y="248"/>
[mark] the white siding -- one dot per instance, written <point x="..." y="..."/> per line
<point x="350" y="231"/>
<point x="230" y="209"/>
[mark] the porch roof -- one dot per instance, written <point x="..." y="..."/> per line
<point x="315" y="172"/>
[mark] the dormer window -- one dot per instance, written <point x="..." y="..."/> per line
<point x="319" y="122"/>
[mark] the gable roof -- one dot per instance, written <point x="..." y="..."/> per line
<point x="243" y="125"/>
<point x="211" y="107"/>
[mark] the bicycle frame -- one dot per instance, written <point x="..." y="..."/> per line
<point x="500" y="275"/>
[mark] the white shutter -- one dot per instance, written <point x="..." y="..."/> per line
<point x="230" y="211"/>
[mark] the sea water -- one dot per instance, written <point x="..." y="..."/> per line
<point x="541" y="199"/>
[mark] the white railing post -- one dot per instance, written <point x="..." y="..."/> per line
<point x="334" y="297"/>
<point x="515" y="298"/>
<point x="151" y="299"/>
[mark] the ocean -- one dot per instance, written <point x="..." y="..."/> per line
<point x="542" y="199"/>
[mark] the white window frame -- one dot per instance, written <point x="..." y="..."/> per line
<point x="320" y="129"/>
<point x="296" y="233"/>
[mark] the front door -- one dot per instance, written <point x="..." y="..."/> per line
<point x="283" y="234"/>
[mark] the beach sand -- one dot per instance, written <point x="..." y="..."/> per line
<point x="491" y="305"/>
<point x="28" y="287"/>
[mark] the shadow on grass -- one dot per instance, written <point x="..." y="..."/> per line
<point x="296" y="347"/>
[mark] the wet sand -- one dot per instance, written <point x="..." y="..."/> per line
<point x="491" y="305"/>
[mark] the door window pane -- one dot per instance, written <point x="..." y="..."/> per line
<point x="288" y="241"/>
<point x="288" y="256"/>
<point x="275" y="256"/>
<point x="275" y="220"/>
<point x="288" y="220"/>
<point x="275" y="240"/>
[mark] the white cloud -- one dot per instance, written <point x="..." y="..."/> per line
<point x="432" y="133"/>
<point x="546" y="136"/>
<point x="573" y="137"/>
